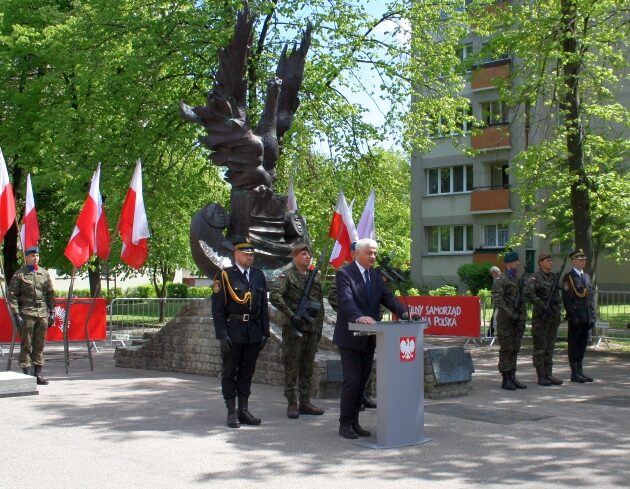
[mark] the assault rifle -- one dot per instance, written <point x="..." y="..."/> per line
<point x="306" y="304"/>
<point x="554" y="287"/>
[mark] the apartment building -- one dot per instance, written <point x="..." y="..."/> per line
<point x="464" y="209"/>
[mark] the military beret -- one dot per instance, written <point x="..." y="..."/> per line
<point x="298" y="247"/>
<point x="577" y="254"/>
<point x="543" y="255"/>
<point x="32" y="249"/>
<point x="244" y="247"/>
<point x="510" y="257"/>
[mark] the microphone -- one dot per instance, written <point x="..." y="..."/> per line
<point x="389" y="272"/>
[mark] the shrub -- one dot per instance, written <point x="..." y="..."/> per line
<point x="176" y="290"/>
<point x="141" y="291"/>
<point x="445" y="290"/>
<point x="202" y="292"/>
<point x="476" y="276"/>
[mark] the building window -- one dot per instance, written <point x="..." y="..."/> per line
<point x="449" y="239"/>
<point x="449" y="180"/>
<point x="462" y="121"/>
<point x="495" y="235"/>
<point x="493" y="113"/>
<point x="499" y="177"/>
<point x="464" y="52"/>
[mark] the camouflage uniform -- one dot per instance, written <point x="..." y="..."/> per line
<point x="510" y="323"/>
<point x="298" y="353"/>
<point x="31" y="295"/>
<point x="545" y="322"/>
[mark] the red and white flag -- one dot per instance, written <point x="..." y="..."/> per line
<point x="291" y="200"/>
<point x="134" y="226"/>
<point x="7" y="200"/>
<point x="29" y="232"/>
<point x="342" y="230"/>
<point x="102" y="239"/>
<point x="366" y="228"/>
<point x="82" y="243"/>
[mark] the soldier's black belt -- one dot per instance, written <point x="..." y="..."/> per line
<point x="244" y="317"/>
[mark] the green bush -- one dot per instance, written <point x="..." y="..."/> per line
<point x="141" y="291"/>
<point x="445" y="290"/>
<point x="485" y="296"/>
<point x="202" y="292"/>
<point x="476" y="276"/>
<point x="176" y="290"/>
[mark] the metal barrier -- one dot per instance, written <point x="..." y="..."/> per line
<point x="132" y="318"/>
<point x="613" y="311"/>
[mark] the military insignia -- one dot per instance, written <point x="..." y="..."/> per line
<point x="282" y="275"/>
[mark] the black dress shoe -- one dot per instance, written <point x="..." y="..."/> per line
<point x="368" y="403"/>
<point x="356" y="427"/>
<point x="245" y="417"/>
<point x="346" y="431"/>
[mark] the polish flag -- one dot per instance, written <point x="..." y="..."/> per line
<point x="291" y="200"/>
<point x="29" y="232"/>
<point x="134" y="226"/>
<point x="366" y="228"/>
<point x="82" y="243"/>
<point x="7" y="201"/>
<point x="342" y="230"/>
<point x="102" y="238"/>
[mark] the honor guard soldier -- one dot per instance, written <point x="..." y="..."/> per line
<point x="543" y="293"/>
<point x="507" y="295"/>
<point x="577" y="295"/>
<point x="241" y="323"/>
<point x="32" y="301"/>
<point x="298" y="352"/>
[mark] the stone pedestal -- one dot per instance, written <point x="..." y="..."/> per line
<point x="17" y="384"/>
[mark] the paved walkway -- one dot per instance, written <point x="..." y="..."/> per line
<point x="124" y="428"/>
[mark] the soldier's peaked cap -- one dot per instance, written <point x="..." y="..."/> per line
<point x="544" y="255"/>
<point x="577" y="254"/>
<point x="244" y="246"/>
<point x="32" y="249"/>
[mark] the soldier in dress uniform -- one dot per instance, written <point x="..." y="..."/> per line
<point x="507" y="295"/>
<point x="577" y="295"/>
<point x="298" y="352"/>
<point x="241" y="323"/>
<point x="542" y="291"/>
<point x="32" y="301"/>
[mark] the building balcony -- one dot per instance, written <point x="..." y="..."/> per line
<point x="484" y="77"/>
<point x="492" y="138"/>
<point x="486" y="201"/>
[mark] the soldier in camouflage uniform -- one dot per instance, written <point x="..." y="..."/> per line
<point x="545" y="321"/>
<point x="510" y="321"/>
<point x="32" y="301"/>
<point x="298" y="352"/>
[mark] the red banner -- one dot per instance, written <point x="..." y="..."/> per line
<point x="79" y="311"/>
<point x="447" y="315"/>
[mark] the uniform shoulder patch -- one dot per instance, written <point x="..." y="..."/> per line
<point x="216" y="286"/>
<point x="282" y="275"/>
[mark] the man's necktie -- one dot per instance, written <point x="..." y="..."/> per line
<point x="246" y="276"/>
<point x="368" y="285"/>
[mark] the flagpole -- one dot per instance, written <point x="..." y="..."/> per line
<point x="66" y="318"/>
<point x="11" y="318"/>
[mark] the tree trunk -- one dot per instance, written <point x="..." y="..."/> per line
<point x="571" y="109"/>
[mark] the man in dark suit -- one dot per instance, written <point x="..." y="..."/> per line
<point x="241" y="323"/>
<point x="360" y="292"/>
<point x="577" y="295"/>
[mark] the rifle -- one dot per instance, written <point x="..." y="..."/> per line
<point x="305" y="303"/>
<point x="518" y="302"/>
<point x="554" y="287"/>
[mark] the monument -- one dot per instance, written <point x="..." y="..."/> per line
<point x="250" y="156"/>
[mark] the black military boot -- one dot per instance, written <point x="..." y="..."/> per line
<point x="25" y="371"/>
<point x="542" y="377"/>
<point x="244" y="416"/>
<point x="551" y="378"/>
<point x="575" y="373"/>
<point x="38" y="375"/>
<point x="292" y="411"/>
<point x="507" y="383"/>
<point x="517" y="384"/>
<point x="581" y="372"/>
<point x="232" y="418"/>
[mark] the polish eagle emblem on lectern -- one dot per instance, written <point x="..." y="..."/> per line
<point x="407" y="348"/>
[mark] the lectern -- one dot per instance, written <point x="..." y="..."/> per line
<point x="399" y="382"/>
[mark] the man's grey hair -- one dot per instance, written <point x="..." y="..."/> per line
<point x="494" y="270"/>
<point x="365" y="243"/>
